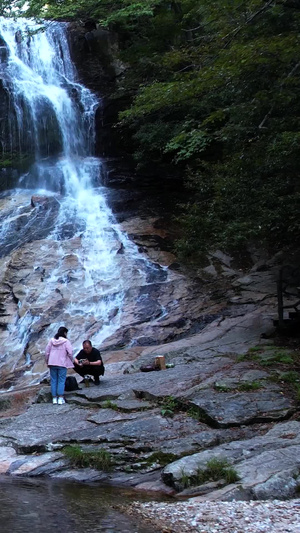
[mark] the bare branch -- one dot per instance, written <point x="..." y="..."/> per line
<point x="192" y="29"/>
<point x="250" y="19"/>
<point x="262" y="124"/>
<point x="186" y="68"/>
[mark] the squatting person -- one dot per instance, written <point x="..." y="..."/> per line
<point x="88" y="362"/>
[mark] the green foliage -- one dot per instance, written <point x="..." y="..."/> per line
<point x="185" y="480"/>
<point x="290" y="377"/>
<point x="5" y="403"/>
<point x="6" y="162"/>
<point x="245" y="386"/>
<point x="10" y="8"/>
<point x="278" y="356"/>
<point x="249" y="386"/>
<point x="169" y="406"/>
<point x="283" y="367"/>
<point x="131" y="11"/>
<point x="271" y="355"/>
<point x="220" y="468"/>
<point x="195" y="413"/>
<point x="123" y="12"/>
<point x="186" y="144"/>
<point x="99" y="459"/>
<point x="162" y="458"/>
<point x="254" y="349"/>
<point x="108" y="404"/>
<point x="216" y="469"/>
<point x="222" y="388"/>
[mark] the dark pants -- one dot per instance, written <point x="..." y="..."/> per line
<point x="91" y="370"/>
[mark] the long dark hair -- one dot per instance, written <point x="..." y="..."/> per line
<point x="61" y="332"/>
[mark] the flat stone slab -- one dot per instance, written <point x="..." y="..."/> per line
<point x="155" y="385"/>
<point x="34" y="464"/>
<point x="46" y="427"/>
<point x="42" y="424"/>
<point x="196" y="385"/>
<point x="21" y="464"/>
<point x="124" y="415"/>
<point x="267" y="466"/>
<point x="7" y="456"/>
<point x="83" y="475"/>
<point x="224" y="409"/>
<point x="152" y="430"/>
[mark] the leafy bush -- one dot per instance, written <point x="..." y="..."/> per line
<point x="216" y="469"/>
<point x="99" y="459"/>
<point x="169" y="405"/>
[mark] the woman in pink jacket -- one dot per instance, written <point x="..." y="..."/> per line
<point x="59" y="357"/>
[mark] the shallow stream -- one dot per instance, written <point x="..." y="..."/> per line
<point x="28" y="505"/>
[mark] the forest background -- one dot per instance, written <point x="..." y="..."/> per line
<point x="211" y="92"/>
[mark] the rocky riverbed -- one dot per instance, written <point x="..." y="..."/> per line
<point x="222" y="517"/>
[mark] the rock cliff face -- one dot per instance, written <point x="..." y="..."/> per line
<point x="14" y="155"/>
<point x="94" y="51"/>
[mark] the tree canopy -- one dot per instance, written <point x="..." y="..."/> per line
<point x="213" y="93"/>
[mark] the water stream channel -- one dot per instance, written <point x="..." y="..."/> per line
<point x="45" y="506"/>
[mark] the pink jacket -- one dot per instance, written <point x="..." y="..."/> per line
<point x="59" y="352"/>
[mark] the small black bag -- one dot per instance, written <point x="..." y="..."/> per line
<point x="102" y="370"/>
<point x="71" y="384"/>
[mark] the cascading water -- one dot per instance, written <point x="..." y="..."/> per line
<point x="87" y="262"/>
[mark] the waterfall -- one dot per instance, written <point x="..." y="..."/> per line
<point x="88" y="262"/>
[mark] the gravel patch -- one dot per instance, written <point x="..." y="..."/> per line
<point x="222" y="517"/>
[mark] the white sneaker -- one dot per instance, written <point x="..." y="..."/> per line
<point x="54" y="400"/>
<point x="61" y="400"/>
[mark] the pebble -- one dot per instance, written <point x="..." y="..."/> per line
<point x="272" y="516"/>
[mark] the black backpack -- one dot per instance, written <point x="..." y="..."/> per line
<point x="71" y="384"/>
